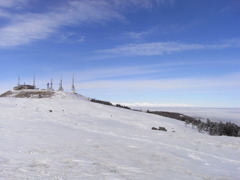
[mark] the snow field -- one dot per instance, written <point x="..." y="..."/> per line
<point x="84" y="140"/>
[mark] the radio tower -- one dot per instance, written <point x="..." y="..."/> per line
<point x="34" y="82"/>
<point x="73" y="87"/>
<point x="60" y="85"/>
<point x="51" y="85"/>
<point x="18" y="81"/>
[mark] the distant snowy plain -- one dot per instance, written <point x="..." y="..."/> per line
<point x="84" y="140"/>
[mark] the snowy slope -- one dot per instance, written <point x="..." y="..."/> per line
<point x="84" y="140"/>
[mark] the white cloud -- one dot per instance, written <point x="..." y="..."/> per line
<point x="144" y="71"/>
<point x="159" y="48"/>
<point x="105" y="73"/>
<point x="228" y="83"/>
<point x="140" y="3"/>
<point x="146" y="49"/>
<point x="26" y="28"/>
<point x="140" y="35"/>
<point x="4" y="14"/>
<point x="26" y="31"/>
<point x="12" y="3"/>
<point x="81" y="39"/>
<point x="23" y="28"/>
<point x="147" y="4"/>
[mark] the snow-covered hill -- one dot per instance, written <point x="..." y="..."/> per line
<point x="68" y="137"/>
<point x="34" y="93"/>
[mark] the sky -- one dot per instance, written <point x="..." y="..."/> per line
<point x="161" y="52"/>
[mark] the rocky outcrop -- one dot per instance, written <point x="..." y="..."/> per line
<point x="159" y="128"/>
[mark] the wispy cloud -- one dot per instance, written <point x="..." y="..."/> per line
<point x="35" y="27"/>
<point x="139" y="35"/>
<point x="154" y="70"/>
<point x="12" y="3"/>
<point x="26" y="26"/>
<point x="147" y="4"/>
<point x="228" y="83"/>
<point x="158" y="29"/>
<point x="160" y="48"/>
<point x="120" y="72"/>
<point x="229" y="8"/>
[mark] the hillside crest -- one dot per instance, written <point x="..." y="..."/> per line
<point x="37" y="94"/>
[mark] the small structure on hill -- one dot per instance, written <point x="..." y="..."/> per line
<point x="50" y="86"/>
<point x="24" y="86"/>
<point x="30" y="91"/>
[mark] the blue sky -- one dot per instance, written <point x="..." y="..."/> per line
<point x="163" y="52"/>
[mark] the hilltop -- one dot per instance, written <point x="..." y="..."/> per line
<point x="38" y="94"/>
<point x="68" y="137"/>
<point x="28" y="94"/>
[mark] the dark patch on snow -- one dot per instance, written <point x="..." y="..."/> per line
<point x="159" y="128"/>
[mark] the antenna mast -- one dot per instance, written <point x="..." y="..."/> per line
<point x="51" y="85"/>
<point x="34" y="82"/>
<point x="60" y="85"/>
<point x="73" y="87"/>
<point x="18" y="81"/>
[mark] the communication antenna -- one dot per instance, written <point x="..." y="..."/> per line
<point x="60" y="85"/>
<point x="51" y="85"/>
<point x="18" y="81"/>
<point x="73" y="87"/>
<point x="34" y="81"/>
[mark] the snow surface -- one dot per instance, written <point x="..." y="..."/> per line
<point x="84" y="140"/>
